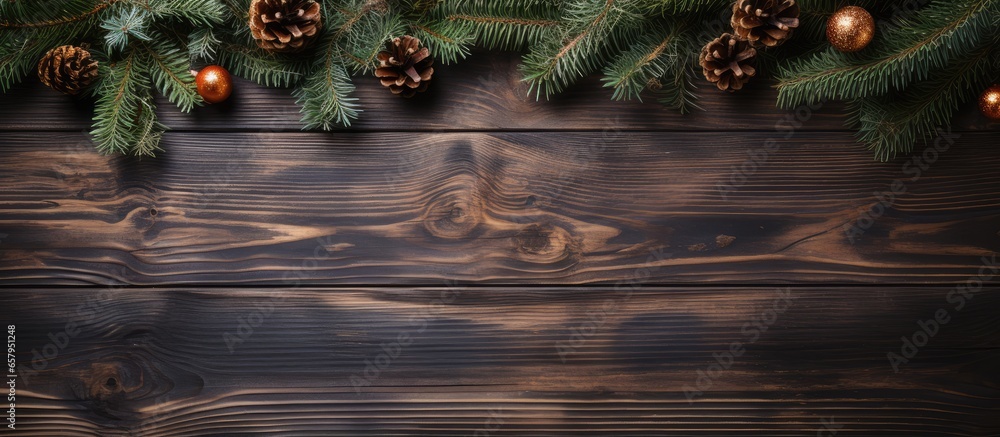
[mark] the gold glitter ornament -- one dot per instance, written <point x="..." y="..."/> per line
<point x="989" y="102"/>
<point x="850" y="29"/>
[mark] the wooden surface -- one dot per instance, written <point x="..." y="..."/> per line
<point x="503" y="235"/>
<point x="501" y="207"/>
<point x="493" y="353"/>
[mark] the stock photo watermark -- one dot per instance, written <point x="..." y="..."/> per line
<point x="59" y="340"/>
<point x="828" y="427"/>
<point x="597" y="319"/>
<point x="11" y="377"/>
<point x="751" y="331"/>
<point x="393" y="349"/>
<point x="787" y="126"/>
<point x="247" y="324"/>
<point x="238" y="163"/>
<point x="958" y="298"/>
<point x="492" y="424"/>
<point x="914" y="168"/>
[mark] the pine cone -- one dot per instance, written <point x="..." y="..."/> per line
<point x="728" y="62"/>
<point x="67" y="69"/>
<point x="284" y="25"/>
<point x="405" y="67"/>
<point x="767" y="22"/>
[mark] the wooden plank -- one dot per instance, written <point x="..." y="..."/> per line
<point x="482" y="93"/>
<point x="383" y="208"/>
<point x="504" y="361"/>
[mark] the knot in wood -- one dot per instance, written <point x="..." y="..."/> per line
<point x="453" y="215"/>
<point x="543" y="243"/>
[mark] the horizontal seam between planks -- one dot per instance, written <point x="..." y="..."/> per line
<point x="471" y="131"/>
<point x="426" y="286"/>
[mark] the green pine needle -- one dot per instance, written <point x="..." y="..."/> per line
<point x="128" y="24"/>
<point x="647" y="60"/>
<point x="908" y="52"/>
<point x="194" y="12"/>
<point x="923" y="64"/>
<point x="265" y="68"/>
<point x="504" y="25"/>
<point x="892" y="125"/>
<point x="202" y="44"/>
<point x="325" y="95"/>
<point x="171" y="74"/>
<point x="592" y="30"/>
<point x="124" y="117"/>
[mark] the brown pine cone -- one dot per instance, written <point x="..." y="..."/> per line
<point x="767" y="22"/>
<point x="728" y="62"/>
<point x="284" y="25"/>
<point x="405" y="67"/>
<point x="67" y="69"/>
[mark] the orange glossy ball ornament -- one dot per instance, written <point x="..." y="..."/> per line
<point x="214" y="84"/>
<point x="850" y="29"/>
<point x="989" y="102"/>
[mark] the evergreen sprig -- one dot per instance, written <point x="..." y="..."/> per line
<point x="907" y="52"/>
<point x="354" y="32"/>
<point x="591" y="31"/>
<point x="923" y="64"/>
<point x="892" y="125"/>
<point x="171" y="74"/>
<point x="127" y="24"/>
<point x="929" y="56"/>
<point x="142" y="53"/>
<point x="325" y="95"/>
<point x="647" y="60"/>
<point x="638" y="44"/>
<point x="125" y="118"/>
<point x="510" y="25"/>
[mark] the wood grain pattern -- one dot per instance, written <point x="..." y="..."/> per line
<point x="472" y="186"/>
<point x="482" y="93"/>
<point x="376" y="208"/>
<point x="157" y="362"/>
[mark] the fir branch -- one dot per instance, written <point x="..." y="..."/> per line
<point x="891" y="125"/>
<point x="350" y="16"/>
<point x="496" y="26"/>
<point x="362" y="32"/>
<point x="66" y="19"/>
<point x="325" y="95"/>
<point x="907" y="53"/>
<point x="366" y="46"/>
<point x="260" y="66"/>
<point x="21" y="49"/>
<point x="150" y="131"/>
<point x="124" y="118"/>
<point x="238" y="9"/>
<point x="503" y="21"/>
<point x="195" y="12"/>
<point x="129" y="23"/>
<point x="677" y="7"/>
<point x="448" y="44"/>
<point x="592" y="29"/>
<point x="632" y="72"/>
<point x="171" y="74"/>
<point x="235" y="28"/>
<point x="202" y="44"/>
<point x="677" y="89"/>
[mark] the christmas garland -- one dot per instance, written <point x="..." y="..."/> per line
<point x="903" y="66"/>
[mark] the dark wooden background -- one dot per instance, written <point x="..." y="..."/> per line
<point x="567" y="267"/>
